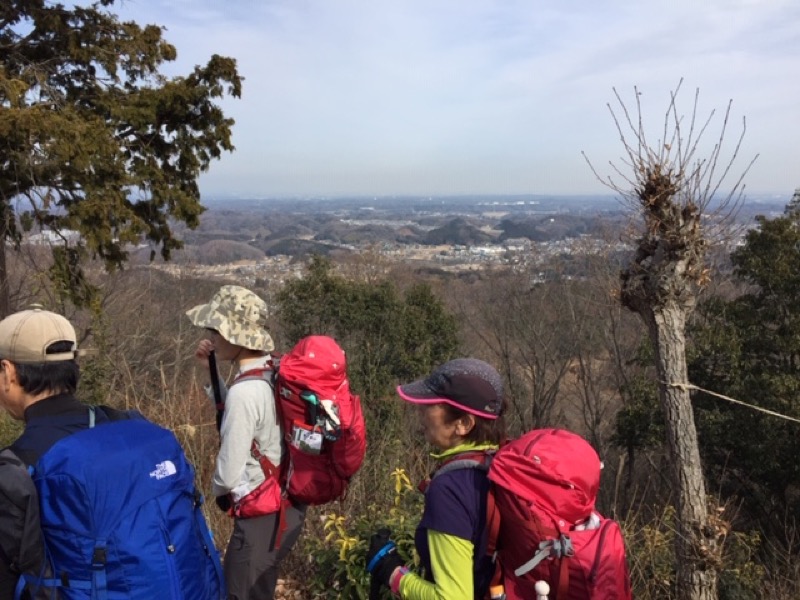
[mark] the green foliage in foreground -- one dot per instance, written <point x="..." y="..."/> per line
<point x="390" y="336"/>
<point x="339" y="558"/>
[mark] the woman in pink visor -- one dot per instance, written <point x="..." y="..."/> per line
<point x="460" y="410"/>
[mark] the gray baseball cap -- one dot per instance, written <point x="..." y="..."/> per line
<point x="466" y="383"/>
<point x="239" y="316"/>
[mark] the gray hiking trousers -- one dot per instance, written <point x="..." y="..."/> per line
<point x="251" y="565"/>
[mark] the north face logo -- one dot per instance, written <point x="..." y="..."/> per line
<point x="164" y="469"/>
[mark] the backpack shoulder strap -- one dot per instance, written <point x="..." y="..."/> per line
<point x="480" y="459"/>
<point x="107" y="413"/>
<point x="477" y="459"/>
<point x="266" y="373"/>
<point x="472" y="459"/>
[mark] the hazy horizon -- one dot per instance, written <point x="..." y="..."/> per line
<point x="444" y="97"/>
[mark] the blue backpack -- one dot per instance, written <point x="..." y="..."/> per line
<point x="122" y="518"/>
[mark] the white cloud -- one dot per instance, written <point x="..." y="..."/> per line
<point x="438" y="96"/>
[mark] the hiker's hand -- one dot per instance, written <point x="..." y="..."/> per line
<point x="204" y="348"/>
<point x="224" y="503"/>
<point x="382" y="557"/>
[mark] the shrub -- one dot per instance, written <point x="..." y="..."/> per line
<point x="337" y="556"/>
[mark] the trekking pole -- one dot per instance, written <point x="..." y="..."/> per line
<point x="212" y="368"/>
<point x="542" y="590"/>
<point x="374" y="589"/>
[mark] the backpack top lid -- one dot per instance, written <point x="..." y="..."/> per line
<point x="95" y="477"/>
<point x="555" y="470"/>
<point x="317" y="363"/>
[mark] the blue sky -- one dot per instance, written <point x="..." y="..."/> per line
<point x="434" y="97"/>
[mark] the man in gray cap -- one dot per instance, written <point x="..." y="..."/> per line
<point x="247" y="476"/>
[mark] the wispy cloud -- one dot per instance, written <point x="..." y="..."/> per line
<point x="450" y="96"/>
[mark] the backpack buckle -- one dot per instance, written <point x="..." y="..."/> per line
<point x="559" y="547"/>
<point x="99" y="558"/>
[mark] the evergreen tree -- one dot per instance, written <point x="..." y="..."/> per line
<point x="749" y="349"/>
<point x="95" y="139"/>
<point x="389" y="336"/>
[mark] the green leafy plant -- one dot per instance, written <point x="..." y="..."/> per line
<point x="339" y="556"/>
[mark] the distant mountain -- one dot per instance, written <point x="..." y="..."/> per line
<point x="343" y="233"/>
<point x="295" y="247"/>
<point x="225" y="251"/>
<point x="458" y="231"/>
<point x="544" y="228"/>
<point x="289" y="230"/>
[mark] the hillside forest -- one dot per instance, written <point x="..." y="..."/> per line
<point x="571" y="356"/>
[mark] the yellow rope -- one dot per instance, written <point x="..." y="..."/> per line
<point x="690" y="386"/>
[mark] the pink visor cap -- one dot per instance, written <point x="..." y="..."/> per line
<point x="466" y="383"/>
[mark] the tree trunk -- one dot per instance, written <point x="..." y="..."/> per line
<point x="5" y="303"/>
<point x="696" y="542"/>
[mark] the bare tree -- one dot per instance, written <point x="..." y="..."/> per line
<point x="520" y="326"/>
<point x="673" y="190"/>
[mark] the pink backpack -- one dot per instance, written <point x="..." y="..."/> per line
<point x="544" y="488"/>
<point x="322" y="421"/>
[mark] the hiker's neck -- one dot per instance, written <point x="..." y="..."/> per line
<point x="247" y="356"/>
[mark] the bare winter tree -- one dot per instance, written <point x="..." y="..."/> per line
<point x="678" y="194"/>
<point x="520" y="327"/>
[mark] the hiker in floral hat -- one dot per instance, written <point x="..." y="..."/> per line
<point x="460" y="412"/>
<point x="246" y="479"/>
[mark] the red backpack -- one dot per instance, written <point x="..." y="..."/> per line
<point x="322" y="421"/>
<point x="544" y="488"/>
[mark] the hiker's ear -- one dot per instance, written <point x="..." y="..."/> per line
<point x="465" y="424"/>
<point x="9" y="370"/>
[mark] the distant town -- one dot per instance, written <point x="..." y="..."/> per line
<point x="249" y="239"/>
